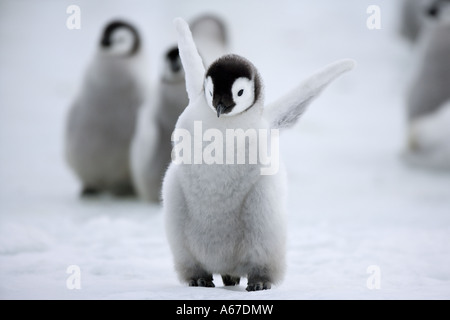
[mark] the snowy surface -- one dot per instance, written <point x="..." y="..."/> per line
<point x="352" y="202"/>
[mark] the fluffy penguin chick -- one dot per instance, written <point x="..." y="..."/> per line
<point x="429" y="95"/>
<point x="151" y="146"/>
<point x="227" y="219"/>
<point x="101" y="121"/>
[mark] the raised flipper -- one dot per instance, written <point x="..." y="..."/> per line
<point x="192" y="62"/>
<point x="285" y="112"/>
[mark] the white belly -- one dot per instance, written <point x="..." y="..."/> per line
<point x="214" y="228"/>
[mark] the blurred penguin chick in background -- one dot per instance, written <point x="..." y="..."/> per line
<point x="416" y="15"/>
<point x="211" y="37"/>
<point x="152" y="146"/>
<point x="428" y="100"/>
<point x="413" y="16"/>
<point x="101" y="121"/>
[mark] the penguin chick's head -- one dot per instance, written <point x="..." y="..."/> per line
<point x="437" y="8"/>
<point x="120" y="39"/>
<point x="232" y="85"/>
<point x="173" y="69"/>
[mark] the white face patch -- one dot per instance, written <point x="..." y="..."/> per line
<point x="243" y="91"/>
<point x="122" y="41"/>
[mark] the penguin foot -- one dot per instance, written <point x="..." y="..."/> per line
<point x="202" y="282"/>
<point x="89" y="191"/>
<point x="230" y="280"/>
<point x="259" y="285"/>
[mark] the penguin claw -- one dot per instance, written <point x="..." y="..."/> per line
<point x="192" y="283"/>
<point x="202" y="282"/>
<point x="205" y="283"/>
<point x="257" y="286"/>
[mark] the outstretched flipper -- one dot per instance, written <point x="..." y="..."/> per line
<point x="192" y="62"/>
<point x="285" y="112"/>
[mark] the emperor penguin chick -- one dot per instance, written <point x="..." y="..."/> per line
<point x="224" y="216"/>
<point x="101" y="121"/>
<point x="428" y="100"/>
<point x="151" y="146"/>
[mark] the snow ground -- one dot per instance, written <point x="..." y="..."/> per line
<point x="352" y="202"/>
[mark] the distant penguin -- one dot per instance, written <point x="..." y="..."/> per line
<point x="211" y="37"/>
<point x="413" y="16"/>
<point x="151" y="147"/>
<point x="101" y="121"/>
<point x="223" y="217"/>
<point x="429" y="94"/>
<point x="416" y="15"/>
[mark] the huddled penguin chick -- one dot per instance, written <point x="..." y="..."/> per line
<point x="152" y="146"/>
<point x="101" y="121"/>
<point x="428" y="100"/>
<point x="225" y="218"/>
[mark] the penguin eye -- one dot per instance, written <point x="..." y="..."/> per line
<point x="241" y="92"/>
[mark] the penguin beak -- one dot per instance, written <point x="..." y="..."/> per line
<point x="220" y="109"/>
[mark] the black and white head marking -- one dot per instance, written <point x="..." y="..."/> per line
<point x="120" y="39"/>
<point x="173" y="68"/>
<point x="436" y="8"/>
<point x="232" y="85"/>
